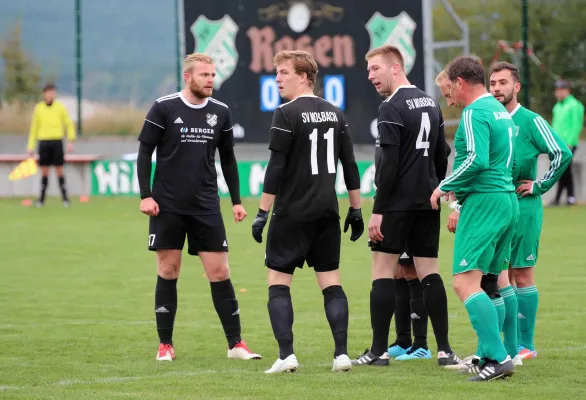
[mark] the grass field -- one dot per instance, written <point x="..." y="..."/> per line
<point x="77" y="285"/>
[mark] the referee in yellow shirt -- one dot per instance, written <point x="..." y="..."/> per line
<point x="50" y="122"/>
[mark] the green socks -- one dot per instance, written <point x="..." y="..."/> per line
<point x="501" y="312"/>
<point x="528" y="299"/>
<point x="509" y="328"/>
<point x="484" y="319"/>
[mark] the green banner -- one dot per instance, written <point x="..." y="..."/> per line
<point x="119" y="178"/>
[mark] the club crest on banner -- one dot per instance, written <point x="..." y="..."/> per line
<point x="396" y="31"/>
<point x="218" y="40"/>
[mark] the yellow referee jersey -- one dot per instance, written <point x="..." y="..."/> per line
<point x="50" y="123"/>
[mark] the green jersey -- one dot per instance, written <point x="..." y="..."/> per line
<point x="484" y="145"/>
<point x="568" y="120"/>
<point x="536" y="137"/>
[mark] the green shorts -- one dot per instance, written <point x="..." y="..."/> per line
<point x="525" y="245"/>
<point x="485" y="231"/>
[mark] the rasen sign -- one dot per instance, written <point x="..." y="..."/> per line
<point x="243" y="37"/>
<point x="119" y="178"/>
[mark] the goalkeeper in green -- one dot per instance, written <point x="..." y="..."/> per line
<point x="534" y="137"/>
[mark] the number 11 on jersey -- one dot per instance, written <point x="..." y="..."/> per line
<point x="329" y="137"/>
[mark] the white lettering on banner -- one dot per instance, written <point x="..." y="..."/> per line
<point x="367" y="181"/>
<point x="341" y="188"/>
<point x="256" y="178"/>
<point x="135" y="186"/>
<point x="107" y="180"/>
<point x="222" y="185"/>
<point x="116" y="177"/>
<point x="124" y="177"/>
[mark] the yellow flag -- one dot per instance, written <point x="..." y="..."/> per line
<point x="24" y="170"/>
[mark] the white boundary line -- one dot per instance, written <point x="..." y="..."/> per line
<point x="117" y="379"/>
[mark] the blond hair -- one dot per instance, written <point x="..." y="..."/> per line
<point x="390" y="52"/>
<point x="191" y="59"/>
<point x="303" y="62"/>
<point x="440" y="77"/>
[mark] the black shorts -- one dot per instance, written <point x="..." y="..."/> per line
<point x="204" y="232"/>
<point x="51" y="153"/>
<point x="417" y="231"/>
<point x="290" y="244"/>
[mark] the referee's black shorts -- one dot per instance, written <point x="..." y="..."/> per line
<point x="51" y="153"/>
<point x="417" y="231"/>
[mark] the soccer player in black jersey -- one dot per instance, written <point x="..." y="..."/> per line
<point x="409" y="306"/>
<point x="186" y="128"/>
<point x="308" y="137"/>
<point x="413" y="151"/>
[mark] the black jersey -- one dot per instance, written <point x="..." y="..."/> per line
<point x="314" y="134"/>
<point x="412" y="120"/>
<point x="186" y="136"/>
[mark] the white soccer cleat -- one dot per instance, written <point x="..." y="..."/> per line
<point x="342" y="363"/>
<point x="242" y="352"/>
<point x="289" y="364"/>
<point x="518" y="361"/>
<point x="464" y="364"/>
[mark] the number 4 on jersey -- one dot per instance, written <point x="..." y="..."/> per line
<point x="423" y="137"/>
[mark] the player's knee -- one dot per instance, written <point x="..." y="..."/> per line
<point x="459" y="287"/>
<point x="218" y="271"/>
<point x="168" y="270"/>
<point x="463" y="286"/>
<point x="524" y="277"/>
<point x="168" y="264"/>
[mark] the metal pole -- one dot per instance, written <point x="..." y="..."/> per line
<point x="428" y="56"/>
<point x="78" y="68"/>
<point x="525" y="33"/>
<point x="178" y="45"/>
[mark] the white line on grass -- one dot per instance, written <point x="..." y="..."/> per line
<point x="116" y="379"/>
<point x="74" y="322"/>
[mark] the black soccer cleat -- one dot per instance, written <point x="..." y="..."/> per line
<point x="447" y="359"/>
<point x="368" y="358"/>
<point x="494" y="370"/>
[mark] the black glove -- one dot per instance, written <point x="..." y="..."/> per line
<point x="354" y="219"/>
<point x="259" y="224"/>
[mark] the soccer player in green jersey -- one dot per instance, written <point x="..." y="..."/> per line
<point x="482" y="182"/>
<point x="489" y="283"/>
<point x="535" y="137"/>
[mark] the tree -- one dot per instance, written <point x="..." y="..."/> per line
<point x="22" y="76"/>
<point x="556" y="33"/>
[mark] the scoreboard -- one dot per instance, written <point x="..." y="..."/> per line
<point x="242" y="36"/>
